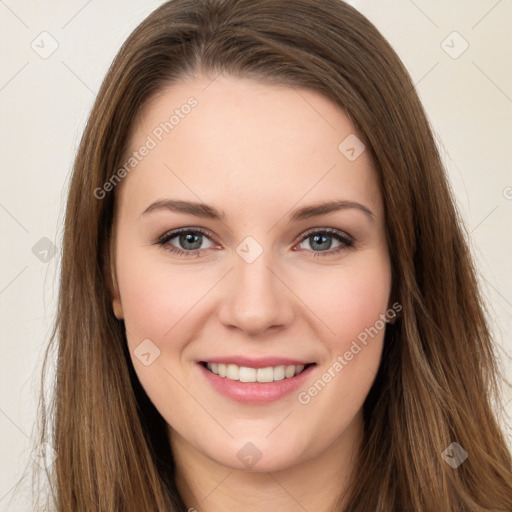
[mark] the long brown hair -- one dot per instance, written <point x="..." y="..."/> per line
<point x="438" y="376"/>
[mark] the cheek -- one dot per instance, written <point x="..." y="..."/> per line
<point x="352" y="304"/>
<point x="350" y="298"/>
<point x="158" y="305"/>
<point x="156" y="296"/>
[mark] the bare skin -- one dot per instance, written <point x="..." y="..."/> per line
<point x="256" y="153"/>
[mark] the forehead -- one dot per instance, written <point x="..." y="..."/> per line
<point x="242" y="140"/>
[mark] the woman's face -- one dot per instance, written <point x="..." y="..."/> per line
<point x="260" y="279"/>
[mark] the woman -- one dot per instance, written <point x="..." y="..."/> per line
<point x="266" y="296"/>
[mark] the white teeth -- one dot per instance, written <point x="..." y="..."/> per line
<point x="246" y="374"/>
<point x="279" y="373"/>
<point x="233" y="372"/>
<point x="264" y="375"/>
<point x="289" y="371"/>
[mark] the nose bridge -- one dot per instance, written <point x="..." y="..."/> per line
<point x="258" y="299"/>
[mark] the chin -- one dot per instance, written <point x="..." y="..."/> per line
<point x="258" y="455"/>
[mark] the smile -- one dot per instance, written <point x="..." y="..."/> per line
<point x="261" y="383"/>
<point x="248" y="374"/>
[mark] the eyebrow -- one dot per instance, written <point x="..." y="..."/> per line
<point x="197" y="209"/>
<point x="329" y="207"/>
<point x="206" y="211"/>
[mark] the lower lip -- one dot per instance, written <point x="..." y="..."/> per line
<point x="255" y="392"/>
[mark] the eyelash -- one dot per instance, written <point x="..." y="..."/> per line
<point x="346" y="241"/>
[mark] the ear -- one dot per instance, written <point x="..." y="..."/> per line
<point x="117" y="306"/>
<point x="109" y="272"/>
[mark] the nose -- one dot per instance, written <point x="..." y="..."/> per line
<point x="256" y="298"/>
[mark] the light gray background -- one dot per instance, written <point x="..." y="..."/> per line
<point x="44" y="103"/>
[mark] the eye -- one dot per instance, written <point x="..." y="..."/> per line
<point x="186" y="241"/>
<point x="191" y="242"/>
<point x="321" y="241"/>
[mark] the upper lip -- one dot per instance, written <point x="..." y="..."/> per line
<point x="259" y="362"/>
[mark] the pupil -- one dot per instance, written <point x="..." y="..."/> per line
<point x="190" y="238"/>
<point x="318" y="239"/>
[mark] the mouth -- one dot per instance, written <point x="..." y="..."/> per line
<point x="254" y="379"/>
<point x="248" y="374"/>
<point x="259" y="384"/>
